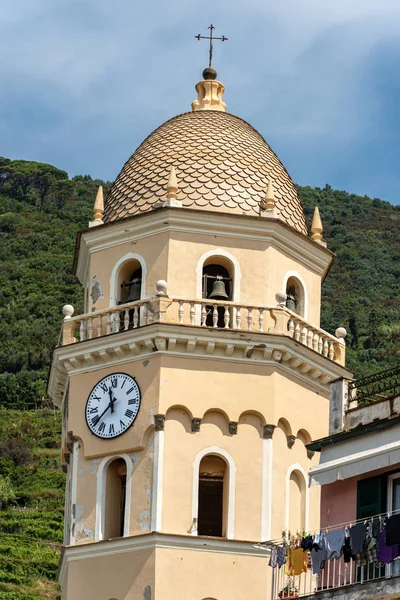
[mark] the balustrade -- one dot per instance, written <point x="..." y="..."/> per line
<point x="207" y="313"/>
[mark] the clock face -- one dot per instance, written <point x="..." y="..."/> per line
<point x="113" y="405"/>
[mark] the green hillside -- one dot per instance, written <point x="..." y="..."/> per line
<point x="41" y="211"/>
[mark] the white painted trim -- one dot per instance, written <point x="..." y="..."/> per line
<point x="115" y="273"/>
<point x="215" y="450"/>
<point x="237" y="273"/>
<point x="158" y="476"/>
<point x="74" y="487"/>
<point x="266" y="507"/>
<point x="297" y="467"/>
<point x="297" y="276"/>
<point x="101" y="494"/>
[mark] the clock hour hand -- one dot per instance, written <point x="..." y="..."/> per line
<point x="111" y="400"/>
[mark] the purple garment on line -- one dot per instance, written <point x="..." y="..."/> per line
<point x="387" y="554"/>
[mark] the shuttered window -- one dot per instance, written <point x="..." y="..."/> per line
<point x="371" y="496"/>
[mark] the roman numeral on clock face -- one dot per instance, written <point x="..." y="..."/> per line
<point x="129" y="413"/>
<point x="95" y="420"/>
<point x="102" y="427"/>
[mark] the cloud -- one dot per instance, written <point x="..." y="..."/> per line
<point x="84" y="81"/>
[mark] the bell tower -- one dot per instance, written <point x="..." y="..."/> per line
<point x="198" y="371"/>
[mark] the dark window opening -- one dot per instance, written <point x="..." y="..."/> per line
<point x="130" y="290"/>
<point x="211" y="504"/>
<point x="115" y="499"/>
<point x="217" y="285"/>
<point x="122" y="505"/>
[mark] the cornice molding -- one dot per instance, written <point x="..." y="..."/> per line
<point x="154" y="541"/>
<point x="273" y="230"/>
<point x="280" y="351"/>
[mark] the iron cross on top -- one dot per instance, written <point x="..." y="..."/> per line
<point x="210" y="38"/>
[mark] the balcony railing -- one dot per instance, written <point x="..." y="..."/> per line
<point x="209" y="314"/>
<point x="335" y="573"/>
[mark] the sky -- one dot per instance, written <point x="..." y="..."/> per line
<point x="83" y="82"/>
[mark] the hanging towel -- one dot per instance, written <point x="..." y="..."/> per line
<point x="393" y="530"/>
<point x="358" y="534"/>
<point x="334" y="543"/>
<point x="280" y="555"/>
<point x="296" y="561"/>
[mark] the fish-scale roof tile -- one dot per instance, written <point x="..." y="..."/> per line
<point x="221" y="164"/>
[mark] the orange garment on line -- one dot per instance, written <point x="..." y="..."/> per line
<point x="295" y="561"/>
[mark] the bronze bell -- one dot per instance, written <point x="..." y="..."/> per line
<point x="291" y="303"/>
<point x="134" y="290"/>
<point x="218" y="290"/>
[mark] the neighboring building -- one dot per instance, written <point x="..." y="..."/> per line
<point x="198" y="373"/>
<point x="359" y="475"/>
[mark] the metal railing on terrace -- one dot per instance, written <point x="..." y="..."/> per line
<point x="211" y="314"/>
<point x="381" y="386"/>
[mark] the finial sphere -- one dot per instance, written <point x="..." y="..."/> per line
<point x="209" y="73"/>
<point x="340" y="332"/>
<point x="68" y="310"/>
<point x="161" y="287"/>
<point x="281" y="298"/>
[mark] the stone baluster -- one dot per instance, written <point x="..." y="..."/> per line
<point x="238" y="318"/>
<point x="82" y="331"/>
<point x="291" y="327"/>
<point x="136" y="316"/>
<point x="320" y="344"/>
<point x="108" y="323"/>
<point x="215" y="316"/>
<point x="331" y="351"/>
<point x="249" y="319"/>
<point x="303" y="335"/>
<point x="192" y="313"/>
<point x="326" y="347"/>
<point x="315" y="342"/>
<point x="98" y="321"/>
<point x="126" y="319"/>
<point x="180" y="312"/>
<point x="297" y="331"/>
<point x="203" y="315"/>
<point x="226" y="317"/>
<point x="310" y="337"/>
<point x="261" y="320"/>
<point x="117" y="324"/>
<point x="89" y="328"/>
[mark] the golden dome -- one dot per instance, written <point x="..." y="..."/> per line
<point x="221" y="163"/>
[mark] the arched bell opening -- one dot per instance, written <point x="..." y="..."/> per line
<point x="217" y="284"/>
<point x="130" y="282"/>
<point x="213" y="496"/>
<point x="297" y="503"/>
<point x="295" y="297"/>
<point x="115" y="499"/>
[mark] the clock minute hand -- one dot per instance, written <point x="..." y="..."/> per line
<point x="104" y="412"/>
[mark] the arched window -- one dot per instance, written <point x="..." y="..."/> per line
<point x="296" y="517"/>
<point x="128" y="279"/>
<point x="213" y="496"/>
<point x="115" y="499"/>
<point x="295" y="293"/>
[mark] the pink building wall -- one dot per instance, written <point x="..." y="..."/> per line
<point x="339" y="499"/>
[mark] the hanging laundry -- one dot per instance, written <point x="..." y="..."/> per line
<point x="358" y="535"/>
<point x="347" y="551"/>
<point x="386" y="553"/>
<point x="280" y="556"/>
<point x="334" y="543"/>
<point x="318" y="554"/>
<point x="307" y="542"/>
<point x="296" y="561"/>
<point x="273" y="559"/>
<point x="393" y="530"/>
